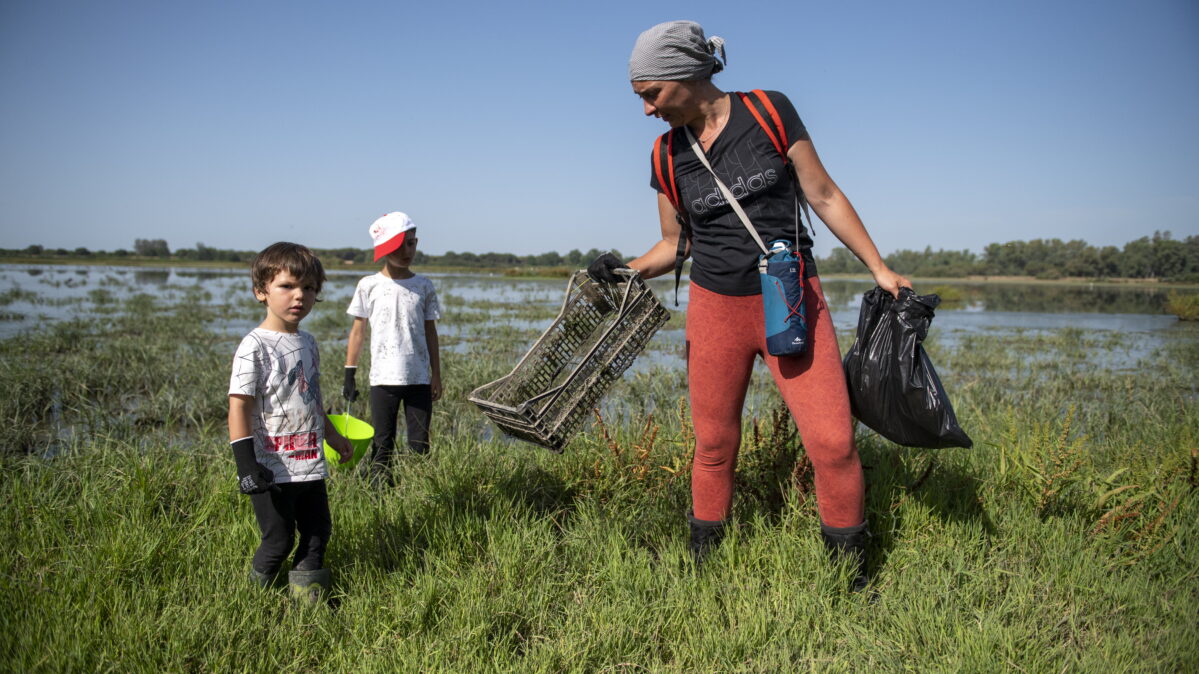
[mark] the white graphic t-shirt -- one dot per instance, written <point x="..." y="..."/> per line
<point x="282" y="371"/>
<point x="397" y="310"/>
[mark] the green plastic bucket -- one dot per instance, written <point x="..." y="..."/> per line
<point x="357" y="431"/>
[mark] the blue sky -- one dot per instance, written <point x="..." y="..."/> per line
<point x="512" y="127"/>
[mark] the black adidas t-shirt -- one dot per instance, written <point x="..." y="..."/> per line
<point x="724" y="257"/>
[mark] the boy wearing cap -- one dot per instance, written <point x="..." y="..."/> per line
<point x="402" y="309"/>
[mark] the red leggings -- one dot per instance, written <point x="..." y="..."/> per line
<point x="724" y="335"/>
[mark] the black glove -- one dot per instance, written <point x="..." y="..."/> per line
<point x="252" y="477"/>
<point x="349" y="387"/>
<point x="601" y="268"/>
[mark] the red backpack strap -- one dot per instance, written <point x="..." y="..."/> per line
<point x="663" y="161"/>
<point x="774" y="116"/>
<point x="664" y="168"/>
<point x="776" y="132"/>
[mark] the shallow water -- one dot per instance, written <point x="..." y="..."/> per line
<point x="31" y="295"/>
<point x="1041" y="327"/>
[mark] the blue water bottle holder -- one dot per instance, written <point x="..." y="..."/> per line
<point x="781" y="272"/>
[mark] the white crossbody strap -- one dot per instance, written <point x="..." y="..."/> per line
<point x="728" y="195"/>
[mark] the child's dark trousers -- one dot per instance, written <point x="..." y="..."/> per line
<point x="385" y="407"/>
<point x="297" y="506"/>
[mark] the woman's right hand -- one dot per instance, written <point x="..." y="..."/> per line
<point x="601" y="269"/>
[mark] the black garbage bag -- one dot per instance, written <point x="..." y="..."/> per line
<point x="893" y="388"/>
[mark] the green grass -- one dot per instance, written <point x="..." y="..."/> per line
<point x="1066" y="540"/>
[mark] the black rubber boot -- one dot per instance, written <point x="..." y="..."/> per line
<point x="309" y="587"/>
<point x="705" y="536"/>
<point x="849" y="543"/>
<point x="266" y="581"/>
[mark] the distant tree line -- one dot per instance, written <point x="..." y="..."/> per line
<point x="158" y="249"/>
<point x="1159" y="256"/>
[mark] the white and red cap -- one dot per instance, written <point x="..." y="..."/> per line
<point x="387" y="233"/>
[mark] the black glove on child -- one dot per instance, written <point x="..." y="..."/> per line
<point x="349" y="387"/>
<point x="601" y="268"/>
<point x="252" y="477"/>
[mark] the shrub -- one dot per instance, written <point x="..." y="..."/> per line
<point x="949" y="294"/>
<point x="1185" y="307"/>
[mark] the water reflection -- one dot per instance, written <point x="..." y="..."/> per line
<point x="155" y="277"/>
<point x="204" y="274"/>
<point x="1023" y="297"/>
<point x="844" y="293"/>
<point x="52" y="293"/>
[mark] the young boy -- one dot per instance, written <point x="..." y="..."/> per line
<point x="277" y="424"/>
<point x="403" y="310"/>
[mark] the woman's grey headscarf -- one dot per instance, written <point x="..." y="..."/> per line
<point x="675" y="50"/>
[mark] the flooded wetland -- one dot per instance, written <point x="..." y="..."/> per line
<point x="1066" y="539"/>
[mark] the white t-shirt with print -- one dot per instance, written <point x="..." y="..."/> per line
<point x="282" y="371"/>
<point x="397" y="310"/>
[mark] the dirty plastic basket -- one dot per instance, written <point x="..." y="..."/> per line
<point x="599" y="331"/>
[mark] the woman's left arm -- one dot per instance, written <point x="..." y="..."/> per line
<point x="833" y="207"/>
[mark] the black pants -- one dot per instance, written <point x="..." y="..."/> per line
<point x="385" y="407"/>
<point x="302" y="506"/>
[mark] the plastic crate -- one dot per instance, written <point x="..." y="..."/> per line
<point x="601" y="328"/>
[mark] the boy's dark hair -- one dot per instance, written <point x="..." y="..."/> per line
<point x="293" y="258"/>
